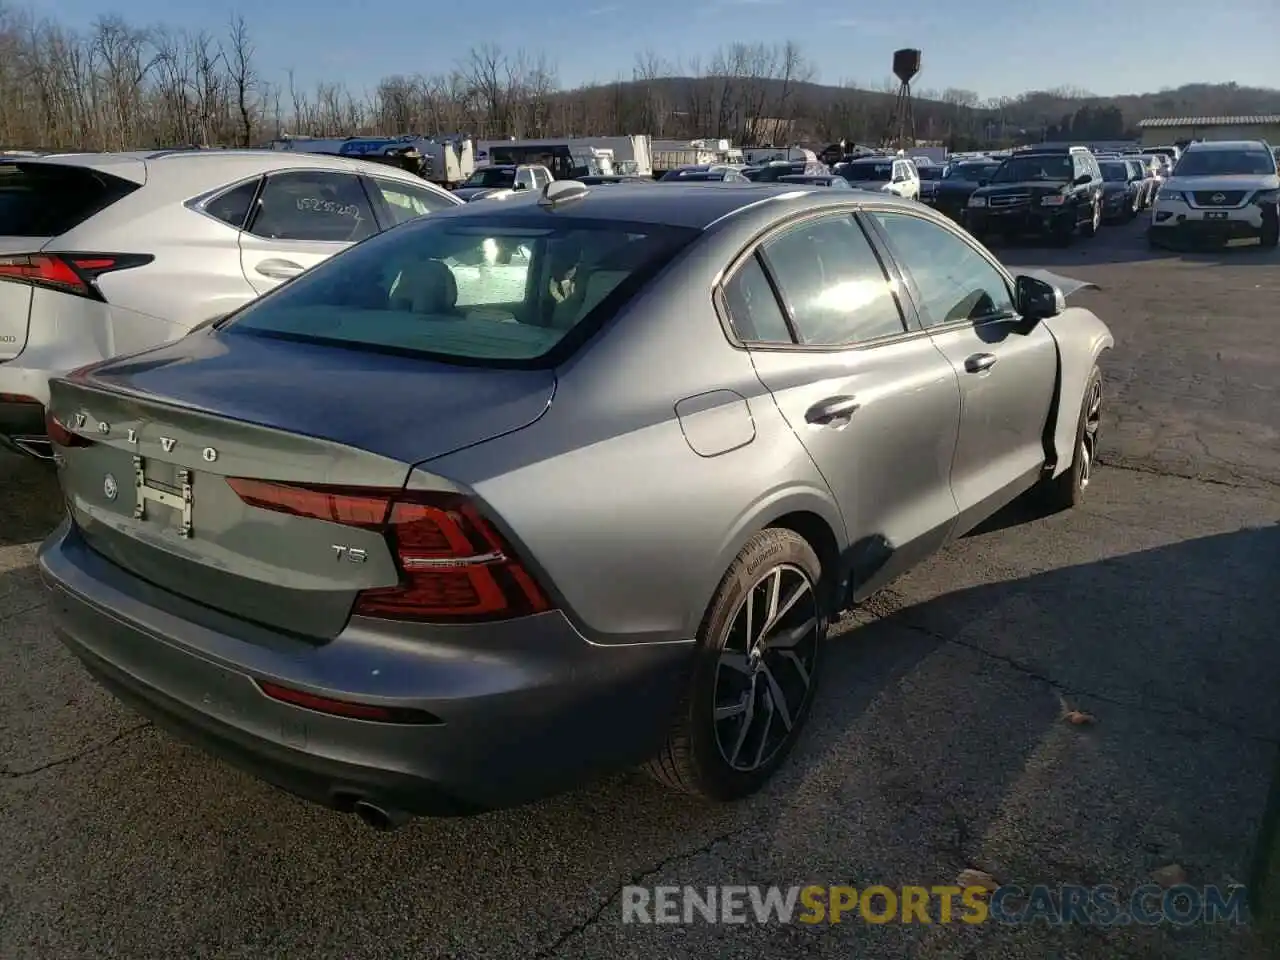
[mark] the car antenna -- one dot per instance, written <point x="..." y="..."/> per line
<point x="559" y="192"/>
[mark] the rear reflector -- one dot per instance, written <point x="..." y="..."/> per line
<point x="345" y="708"/>
<point x="73" y="273"/>
<point x="454" y="566"/>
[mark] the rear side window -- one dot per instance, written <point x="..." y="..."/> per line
<point x="496" y="290"/>
<point x="232" y="207"/>
<point x="313" y="205"/>
<point x="45" y="200"/>
<point x="753" y="307"/>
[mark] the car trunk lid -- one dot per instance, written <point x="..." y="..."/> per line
<point x="164" y="434"/>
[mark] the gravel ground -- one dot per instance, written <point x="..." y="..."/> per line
<point x="939" y="744"/>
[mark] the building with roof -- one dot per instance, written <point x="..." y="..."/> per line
<point x="1166" y="130"/>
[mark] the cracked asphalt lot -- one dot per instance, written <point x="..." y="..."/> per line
<point x="938" y="743"/>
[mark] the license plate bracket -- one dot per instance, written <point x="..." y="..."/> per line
<point x="1216" y="215"/>
<point x="179" y="499"/>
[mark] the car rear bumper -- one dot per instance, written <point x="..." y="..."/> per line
<point x="514" y="711"/>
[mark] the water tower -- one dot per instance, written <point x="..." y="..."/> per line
<point x="901" y="131"/>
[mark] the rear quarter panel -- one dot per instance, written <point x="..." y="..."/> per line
<point x="628" y="524"/>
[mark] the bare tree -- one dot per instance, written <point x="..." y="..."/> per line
<point x="243" y="76"/>
<point x="116" y="86"/>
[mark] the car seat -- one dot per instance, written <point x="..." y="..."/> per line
<point x="426" y="287"/>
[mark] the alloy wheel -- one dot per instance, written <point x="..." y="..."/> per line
<point x="765" y="672"/>
<point x="1089" y="439"/>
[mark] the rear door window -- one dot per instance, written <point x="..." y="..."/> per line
<point x="46" y="200"/>
<point x="313" y="205"/>
<point x="833" y="283"/>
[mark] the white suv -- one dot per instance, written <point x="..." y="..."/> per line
<point x="1219" y="190"/>
<point x="882" y="174"/>
<point x="104" y="254"/>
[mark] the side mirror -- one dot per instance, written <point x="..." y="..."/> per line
<point x="1083" y="180"/>
<point x="1037" y="300"/>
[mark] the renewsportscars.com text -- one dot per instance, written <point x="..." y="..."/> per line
<point x="1148" y="905"/>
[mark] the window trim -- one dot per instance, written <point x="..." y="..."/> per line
<point x="358" y="176"/>
<point x="909" y="283"/>
<point x="754" y="248"/>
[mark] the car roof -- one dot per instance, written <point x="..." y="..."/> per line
<point x="1205" y="145"/>
<point x="219" y="164"/>
<point x="695" y="205"/>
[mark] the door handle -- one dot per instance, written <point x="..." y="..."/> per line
<point x="979" y="362"/>
<point x="279" y="269"/>
<point x="831" y="410"/>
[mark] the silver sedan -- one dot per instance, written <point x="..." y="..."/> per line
<point x="532" y="489"/>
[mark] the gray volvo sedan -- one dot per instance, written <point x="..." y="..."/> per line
<point x="539" y="487"/>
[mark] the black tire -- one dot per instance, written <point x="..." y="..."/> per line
<point x="1270" y="229"/>
<point x="1090" y="228"/>
<point x="694" y="759"/>
<point x="1067" y="490"/>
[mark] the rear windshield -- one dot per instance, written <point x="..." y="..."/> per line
<point x="496" y="290"/>
<point x="45" y="200"/>
<point x="1114" y="172"/>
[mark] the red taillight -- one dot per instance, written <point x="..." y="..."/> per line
<point x="60" y="436"/>
<point x="68" y="272"/>
<point x="454" y="566"/>
<point x="345" y="708"/>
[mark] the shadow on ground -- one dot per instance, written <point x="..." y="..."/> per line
<point x="1123" y="244"/>
<point x="938" y="744"/>
<point x="30" y="504"/>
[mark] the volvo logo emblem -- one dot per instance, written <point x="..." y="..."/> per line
<point x="1219" y="198"/>
<point x="133" y="436"/>
<point x="109" y="487"/>
<point x="104" y="428"/>
<point x="80" y="418"/>
<point x="167" y="444"/>
<point x="209" y="454"/>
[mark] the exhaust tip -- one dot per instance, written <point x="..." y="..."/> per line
<point x="379" y="818"/>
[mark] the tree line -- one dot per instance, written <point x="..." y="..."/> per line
<point x="117" y="86"/>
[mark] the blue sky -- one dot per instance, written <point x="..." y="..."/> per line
<point x="995" y="47"/>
